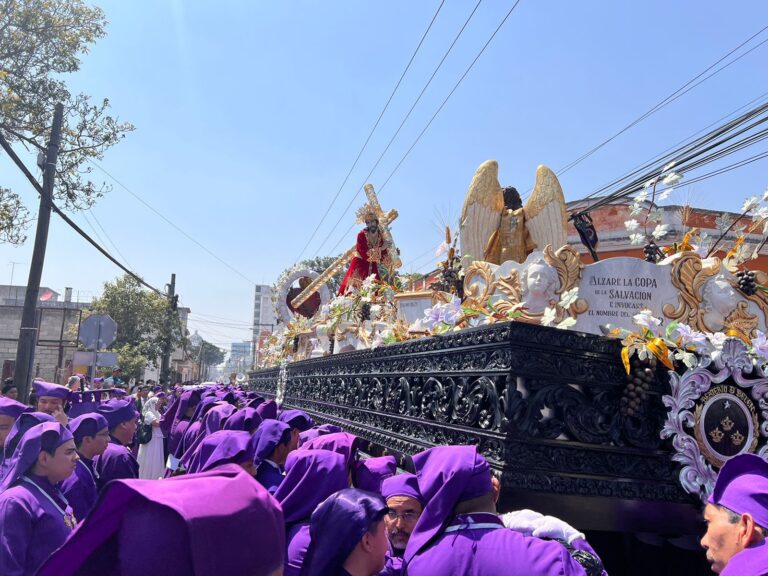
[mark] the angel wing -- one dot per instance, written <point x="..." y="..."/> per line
<point x="545" y="214"/>
<point x="481" y="213"/>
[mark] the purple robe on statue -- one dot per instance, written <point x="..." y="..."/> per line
<point x="116" y="463"/>
<point x="80" y="488"/>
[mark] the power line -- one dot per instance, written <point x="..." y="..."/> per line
<point x="684" y="89"/>
<point x="109" y="239"/>
<point x="169" y="222"/>
<point x="9" y="150"/>
<point x="405" y="119"/>
<point x="370" y="134"/>
<point x="418" y="138"/>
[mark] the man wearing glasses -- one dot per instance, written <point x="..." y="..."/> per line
<point x="405" y="505"/>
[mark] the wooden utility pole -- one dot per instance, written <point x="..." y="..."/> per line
<point x="165" y="364"/>
<point x="25" y="353"/>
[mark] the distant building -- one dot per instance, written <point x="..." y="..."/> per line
<point x="239" y="357"/>
<point x="264" y="318"/>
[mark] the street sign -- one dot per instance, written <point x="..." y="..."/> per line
<point x="98" y="331"/>
<point x="102" y="359"/>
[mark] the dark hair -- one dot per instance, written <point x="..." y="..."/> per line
<point x="512" y="199"/>
<point x="735" y="518"/>
<point x="7" y="387"/>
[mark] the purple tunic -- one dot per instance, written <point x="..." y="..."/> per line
<point x="479" y="545"/>
<point x="116" y="463"/>
<point x="752" y="561"/>
<point x="80" y="488"/>
<point x="177" y="434"/>
<point x="269" y="476"/>
<point x="298" y="540"/>
<point x="31" y="528"/>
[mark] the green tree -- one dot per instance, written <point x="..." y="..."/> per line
<point x="145" y="323"/>
<point x="319" y="264"/>
<point x="207" y="353"/>
<point x="40" y="42"/>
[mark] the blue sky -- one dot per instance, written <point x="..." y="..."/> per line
<point x="249" y="114"/>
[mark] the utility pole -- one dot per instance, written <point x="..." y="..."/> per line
<point x="165" y="364"/>
<point x="25" y="354"/>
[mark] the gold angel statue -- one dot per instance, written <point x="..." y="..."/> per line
<point x="496" y="227"/>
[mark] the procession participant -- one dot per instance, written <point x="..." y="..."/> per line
<point x="9" y="389"/>
<point x="368" y="474"/>
<point x="224" y="447"/>
<point x="316" y="431"/>
<point x="459" y="533"/>
<point x="299" y="421"/>
<point x="91" y="434"/>
<point x="196" y="424"/>
<point x="405" y="505"/>
<point x="311" y="476"/>
<point x="267" y="410"/>
<point x="10" y="410"/>
<point x="371" y="251"/>
<point x="341" y="442"/>
<point x="98" y="383"/>
<point x="246" y="419"/>
<point x="74" y="384"/>
<point x="737" y="518"/>
<point x="348" y="537"/>
<point x="51" y="399"/>
<point x="212" y="421"/>
<point x="151" y="457"/>
<point x="115" y="380"/>
<point x="273" y="444"/>
<point x="35" y="517"/>
<point x="255" y="401"/>
<point x="117" y="461"/>
<point x="182" y="525"/>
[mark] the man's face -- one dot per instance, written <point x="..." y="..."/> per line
<point x="294" y="444"/>
<point x="49" y="405"/>
<point x="97" y="384"/>
<point x="60" y="466"/>
<point x="403" y="514"/>
<point x="371" y="224"/>
<point x="6" y="423"/>
<point x="722" y="540"/>
<point x="97" y="444"/>
<point x="379" y="546"/>
<point x="13" y="393"/>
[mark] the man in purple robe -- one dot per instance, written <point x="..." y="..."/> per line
<point x="348" y="537"/>
<point x="10" y="410"/>
<point x="224" y="447"/>
<point x="273" y="444"/>
<point x="24" y="422"/>
<point x="91" y="435"/>
<point x="341" y="442"/>
<point x="51" y="399"/>
<point x="404" y="504"/>
<point x="212" y="421"/>
<point x="369" y="474"/>
<point x="311" y="476"/>
<point x="35" y="517"/>
<point x="246" y="419"/>
<point x="117" y="461"/>
<point x="208" y="524"/>
<point x="459" y="533"/>
<point x="299" y="421"/>
<point x="737" y="518"/>
<point x="314" y="432"/>
<point x="267" y="410"/>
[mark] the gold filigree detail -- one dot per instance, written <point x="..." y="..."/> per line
<point x="689" y="274"/>
<point x="478" y="273"/>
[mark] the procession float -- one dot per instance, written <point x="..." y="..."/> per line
<point x="608" y="392"/>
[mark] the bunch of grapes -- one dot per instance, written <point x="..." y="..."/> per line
<point x="651" y="252"/>
<point x="747" y="282"/>
<point x="639" y="381"/>
<point x="365" y="311"/>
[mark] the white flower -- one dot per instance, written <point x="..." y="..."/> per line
<point x="660" y="231"/>
<point x="636" y="239"/>
<point x="646" y="319"/>
<point x="631" y="225"/>
<point x="717" y="339"/>
<point x="664" y="195"/>
<point x="651" y="182"/>
<point x="672" y="179"/>
<point x="442" y="249"/>
<point x="760" y="345"/>
<point x="636" y="209"/>
<point x="548" y="317"/>
<point x="641" y="197"/>
<point x="669" y="166"/>
<point x="688" y="358"/>
<point x="689" y="336"/>
<point x="569" y="297"/>
<point x="750" y="204"/>
<point x="567" y="323"/>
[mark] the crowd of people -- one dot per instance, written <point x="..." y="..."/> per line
<point x="213" y="479"/>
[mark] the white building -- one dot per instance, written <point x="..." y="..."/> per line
<point x="264" y="318"/>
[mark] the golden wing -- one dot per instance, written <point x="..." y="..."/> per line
<point x="481" y="213"/>
<point x="689" y="273"/>
<point x="545" y="214"/>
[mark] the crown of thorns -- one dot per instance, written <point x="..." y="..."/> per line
<point x="366" y="212"/>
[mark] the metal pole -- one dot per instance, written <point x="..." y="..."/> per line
<point x="25" y="354"/>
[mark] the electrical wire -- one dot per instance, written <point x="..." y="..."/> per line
<point x="402" y="123"/>
<point x="418" y="138"/>
<point x="370" y="134"/>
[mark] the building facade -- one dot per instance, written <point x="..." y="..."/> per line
<point x="264" y="318"/>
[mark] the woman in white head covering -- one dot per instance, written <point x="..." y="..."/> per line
<point x="151" y="456"/>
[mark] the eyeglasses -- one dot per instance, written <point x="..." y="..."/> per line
<point x="409" y="516"/>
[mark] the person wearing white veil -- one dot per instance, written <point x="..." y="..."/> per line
<point x="151" y="455"/>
